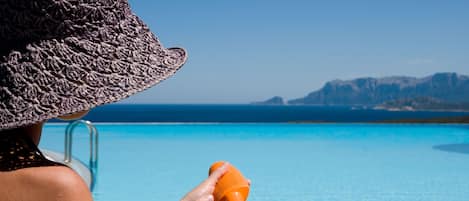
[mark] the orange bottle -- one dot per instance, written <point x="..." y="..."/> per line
<point x="232" y="186"/>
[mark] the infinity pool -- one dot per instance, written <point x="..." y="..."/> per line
<point x="298" y="162"/>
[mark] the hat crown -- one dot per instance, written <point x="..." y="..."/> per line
<point x="26" y="21"/>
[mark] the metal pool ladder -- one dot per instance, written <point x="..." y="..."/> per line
<point x="93" y="132"/>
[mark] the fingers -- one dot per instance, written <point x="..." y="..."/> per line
<point x="207" y="198"/>
<point x="218" y="173"/>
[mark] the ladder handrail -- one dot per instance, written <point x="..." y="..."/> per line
<point x="93" y="163"/>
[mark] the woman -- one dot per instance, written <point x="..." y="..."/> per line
<point x="58" y="59"/>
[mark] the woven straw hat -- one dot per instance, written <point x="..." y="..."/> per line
<point x="63" y="56"/>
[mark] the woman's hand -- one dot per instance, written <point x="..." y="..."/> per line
<point x="204" y="191"/>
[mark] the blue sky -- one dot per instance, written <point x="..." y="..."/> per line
<point x="248" y="50"/>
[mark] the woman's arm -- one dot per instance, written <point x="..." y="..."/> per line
<point x="204" y="191"/>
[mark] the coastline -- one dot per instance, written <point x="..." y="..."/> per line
<point x="445" y="120"/>
<point x="411" y="109"/>
<point x="442" y="120"/>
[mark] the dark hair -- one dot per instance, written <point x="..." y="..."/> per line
<point x="14" y="131"/>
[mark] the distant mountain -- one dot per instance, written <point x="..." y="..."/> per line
<point x="445" y="87"/>
<point x="276" y="100"/>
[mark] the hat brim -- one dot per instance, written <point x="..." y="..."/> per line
<point x="56" y="77"/>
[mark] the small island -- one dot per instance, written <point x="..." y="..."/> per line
<point x="276" y="100"/>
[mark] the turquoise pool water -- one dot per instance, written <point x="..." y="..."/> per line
<point x="300" y="162"/>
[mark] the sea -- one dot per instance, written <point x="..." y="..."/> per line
<point x="213" y="113"/>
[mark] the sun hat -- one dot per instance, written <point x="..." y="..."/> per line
<point x="63" y="56"/>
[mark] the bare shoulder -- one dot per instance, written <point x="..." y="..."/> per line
<point x="45" y="183"/>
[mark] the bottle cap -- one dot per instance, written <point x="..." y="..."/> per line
<point x="232" y="186"/>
